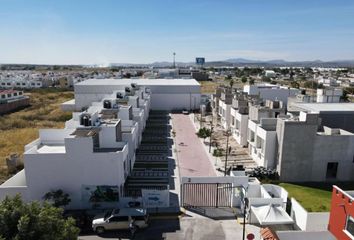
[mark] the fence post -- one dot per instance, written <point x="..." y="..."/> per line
<point x="217" y="194"/>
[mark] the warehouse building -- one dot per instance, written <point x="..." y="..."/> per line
<point x="166" y="94"/>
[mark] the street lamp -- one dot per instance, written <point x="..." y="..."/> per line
<point x="211" y="132"/>
<point x="228" y="150"/>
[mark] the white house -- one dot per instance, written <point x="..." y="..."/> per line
<point x="90" y="159"/>
<point x="262" y="140"/>
<point x="271" y="92"/>
<point x="269" y="73"/>
<point x="329" y="95"/>
<point x="239" y="119"/>
<point x="20" y="83"/>
<point x="71" y="159"/>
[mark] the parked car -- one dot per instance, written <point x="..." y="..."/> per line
<point x="117" y="219"/>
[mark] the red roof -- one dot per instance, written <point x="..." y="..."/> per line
<point x="268" y="234"/>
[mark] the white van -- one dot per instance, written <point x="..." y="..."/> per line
<point x="120" y="219"/>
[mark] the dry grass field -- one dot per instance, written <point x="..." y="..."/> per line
<point x="20" y="128"/>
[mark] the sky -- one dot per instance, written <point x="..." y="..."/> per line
<point x="145" y="31"/>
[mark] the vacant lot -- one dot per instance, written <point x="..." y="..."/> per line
<point x="19" y="128"/>
<point x="314" y="197"/>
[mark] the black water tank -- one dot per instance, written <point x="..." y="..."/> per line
<point x="86" y="121"/>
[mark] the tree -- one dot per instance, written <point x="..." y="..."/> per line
<point x="295" y="84"/>
<point x="217" y="152"/>
<point x="266" y="79"/>
<point x="251" y="81"/>
<point x="311" y="84"/>
<point x="231" y="83"/>
<point x="204" y="133"/>
<point x="244" y="79"/>
<point x="33" y="221"/>
<point x="58" y="198"/>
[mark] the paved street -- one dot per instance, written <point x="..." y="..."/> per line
<point x="192" y="158"/>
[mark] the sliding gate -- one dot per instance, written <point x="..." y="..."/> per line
<point x="206" y="195"/>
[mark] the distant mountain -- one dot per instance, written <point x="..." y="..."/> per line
<point x="242" y="62"/>
<point x="281" y="62"/>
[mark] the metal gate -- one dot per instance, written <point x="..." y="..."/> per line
<point x="207" y="195"/>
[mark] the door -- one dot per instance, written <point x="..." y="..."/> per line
<point x="112" y="223"/>
<point x="332" y="168"/>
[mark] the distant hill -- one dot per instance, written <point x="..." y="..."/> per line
<point x="242" y="62"/>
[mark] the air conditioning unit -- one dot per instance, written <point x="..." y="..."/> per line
<point x="127" y="89"/>
<point x="134" y="85"/>
<point x="119" y="95"/>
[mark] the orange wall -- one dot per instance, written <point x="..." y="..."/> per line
<point x="340" y="208"/>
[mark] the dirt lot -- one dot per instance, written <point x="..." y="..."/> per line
<point x="20" y="128"/>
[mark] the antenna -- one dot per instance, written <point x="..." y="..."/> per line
<point x="174" y="60"/>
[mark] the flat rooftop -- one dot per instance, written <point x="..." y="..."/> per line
<point x="326" y="107"/>
<point x="139" y="81"/>
<point x="51" y="149"/>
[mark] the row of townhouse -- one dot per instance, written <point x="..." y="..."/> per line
<point x="91" y="157"/>
<point x="10" y="100"/>
<point x="20" y="83"/>
<point x="316" y="138"/>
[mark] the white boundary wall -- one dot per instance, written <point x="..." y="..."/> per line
<point x="308" y="221"/>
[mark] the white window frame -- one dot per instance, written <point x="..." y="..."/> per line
<point x="345" y="228"/>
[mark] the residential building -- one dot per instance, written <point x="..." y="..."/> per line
<point x="271" y="92"/>
<point x="215" y="98"/>
<point x="327" y="81"/>
<point x="10" y="100"/>
<point x="329" y="95"/>
<point x="270" y="73"/>
<point x="319" y="155"/>
<point x="20" y="83"/>
<point x="239" y="119"/>
<point x="262" y="131"/>
<point x="334" y="115"/>
<point x="90" y="159"/>
<point x="225" y="107"/>
<point x="341" y="220"/>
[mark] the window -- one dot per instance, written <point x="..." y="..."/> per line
<point x="349" y="226"/>
<point x="123" y="218"/>
<point x="2" y="83"/>
<point x="3" y="96"/>
<point x="9" y="95"/>
<point x="18" y="84"/>
<point x="8" y="84"/>
<point x="332" y="168"/>
<point x="119" y="219"/>
<point x="15" y="94"/>
<point x="23" y="84"/>
<point x="139" y="218"/>
<point x="114" y="219"/>
<point x="20" y="93"/>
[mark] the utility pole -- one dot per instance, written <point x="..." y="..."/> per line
<point x="227" y="149"/>
<point x="174" y="60"/>
<point x="245" y="205"/>
<point x="211" y="131"/>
